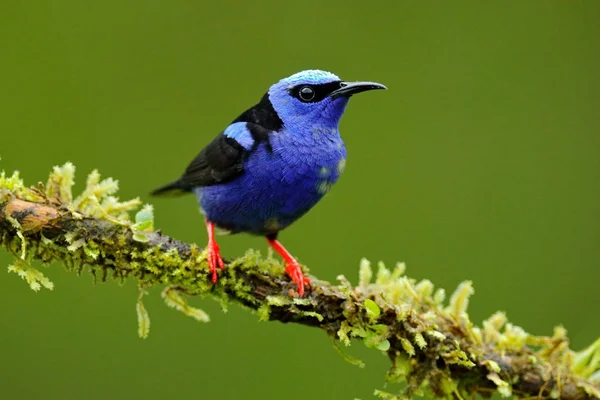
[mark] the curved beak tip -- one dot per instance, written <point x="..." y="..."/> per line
<point x="348" y="89"/>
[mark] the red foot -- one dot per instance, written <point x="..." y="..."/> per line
<point x="292" y="267"/>
<point x="214" y="257"/>
<point x="295" y="272"/>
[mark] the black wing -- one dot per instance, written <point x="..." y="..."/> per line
<point x="220" y="161"/>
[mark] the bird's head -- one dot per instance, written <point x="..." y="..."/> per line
<point x="314" y="97"/>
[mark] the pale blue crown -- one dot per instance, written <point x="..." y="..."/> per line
<point x="310" y="77"/>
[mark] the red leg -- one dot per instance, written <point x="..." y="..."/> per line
<point x="214" y="257"/>
<point x="292" y="267"/>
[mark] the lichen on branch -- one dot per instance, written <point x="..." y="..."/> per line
<point x="433" y="346"/>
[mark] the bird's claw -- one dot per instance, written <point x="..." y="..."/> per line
<point x="294" y="270"/>
<point x="214" y="260"/>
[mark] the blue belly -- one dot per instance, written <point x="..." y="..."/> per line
<point x="277" y="186"/>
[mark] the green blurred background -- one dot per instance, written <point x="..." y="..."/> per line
<point x="481" y="162"/>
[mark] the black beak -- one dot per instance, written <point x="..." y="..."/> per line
<point x="347" y="89"/>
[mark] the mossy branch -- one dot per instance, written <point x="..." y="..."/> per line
<point x="433" y="346"/>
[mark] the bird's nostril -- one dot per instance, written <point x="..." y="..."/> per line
<point x="343" y="84"/>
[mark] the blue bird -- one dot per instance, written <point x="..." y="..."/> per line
<point x="273" y="163"/>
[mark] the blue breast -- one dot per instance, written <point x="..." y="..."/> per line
<point x="280" y="182"/>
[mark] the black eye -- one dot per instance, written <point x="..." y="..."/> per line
<point x="306" y="93"/>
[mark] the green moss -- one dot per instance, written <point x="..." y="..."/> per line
<point x="420" y="341"/>
<point x="407" y="346"/>
<point x="34" y="278"/>
<point x="503" y="387"/>
<point x="143" y="316"/>
<point x="346" y="356"/>
<point x="373" y="310"/>
<point x="174" y="298"/>
<point x="405" y="319"/>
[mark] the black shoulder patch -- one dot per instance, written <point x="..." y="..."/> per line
<point x="262" y="114"/>
<point x="260" y="135"/>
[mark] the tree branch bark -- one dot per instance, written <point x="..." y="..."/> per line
<point x="432" y="345"/>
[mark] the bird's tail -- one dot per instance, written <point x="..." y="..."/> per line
<point x="176" y="188"/>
